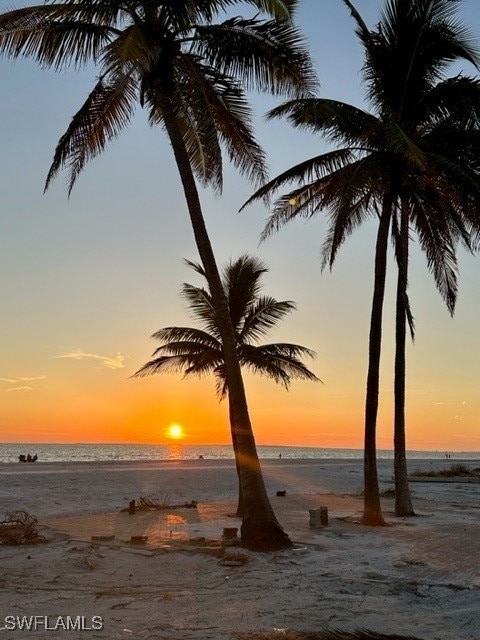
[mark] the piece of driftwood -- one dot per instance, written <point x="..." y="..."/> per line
<point x="19" y="527"/>
<point x="147" y="503"/>
<point x="153" y="503"/>
<point x="234" y="559"/>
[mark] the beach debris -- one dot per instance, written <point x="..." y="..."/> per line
<point x="281" y="493"/>
<point x="102" y="538"/>
<point x="318" y="517"/>
<point x="230" y="537"/>
<point x="138" y="539"/>
<point x="20" y="527"/>
<point x="86" y="563"/>
<point x="234" y="559"/>
<point x="157" y="503"/>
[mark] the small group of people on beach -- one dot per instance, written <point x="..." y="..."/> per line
<point x="27" y="458"/>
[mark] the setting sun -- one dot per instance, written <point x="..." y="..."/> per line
<point x="175" y="431"/>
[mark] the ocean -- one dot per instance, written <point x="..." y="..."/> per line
<point x="82" y="452"/>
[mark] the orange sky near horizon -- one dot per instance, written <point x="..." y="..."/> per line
<point x="140" y="411"/>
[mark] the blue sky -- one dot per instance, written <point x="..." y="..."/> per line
<point x="85" y="281"/>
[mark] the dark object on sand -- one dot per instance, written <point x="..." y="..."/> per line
<point x="19" y="527"/>
<point x="229" y="533"/>
<point x="281" y="493"/>
<point x="318" y="517"/>
<point x="149" y="503"/>
<point x="234" y="559"/>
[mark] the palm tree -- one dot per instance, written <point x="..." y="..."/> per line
<point x="190" y="73"/>
<point x="412" y="160"/>
<point x="439" y="197"/>
<point x="199" y="351"/>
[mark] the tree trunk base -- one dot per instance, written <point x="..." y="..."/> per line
<point x="265" y="536"/>
<point x="373" y="520"/>
<point x="405" y="513"/>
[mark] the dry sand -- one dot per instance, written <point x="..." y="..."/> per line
<point x="418" y="576"/>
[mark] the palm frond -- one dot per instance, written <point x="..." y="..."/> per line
<point x="362" y="28"/>
<point x="307" y="171"/>
<point x="107" y="110"/>
<point x="278" y="361"/>
<point x="438" y="242"/>
<point x="338" y="121"/>
<point x="190" y="335"/>
<point x="188" y="364"/>
<point x="401" y="145"/>
<point x="453" y="101"/>
<point x="222" y="100"/>
<point x="262" y="316"/>
<point x="278" y="9"/>
<point x="200" y="304"/>
<point x="242" y="284"/>
<point x="52" y="35"/>
<point x="266" y="55"/>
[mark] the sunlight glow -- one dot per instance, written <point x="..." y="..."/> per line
<point x="175" y="431"/>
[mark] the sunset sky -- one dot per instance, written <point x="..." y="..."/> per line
<point x="86" y="281"/>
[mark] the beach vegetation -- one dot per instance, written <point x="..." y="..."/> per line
<point x="411" y="163"/>
<point x="189" y="67"/>
<point x="198" y="351"/>
<point x="457" y="469"/>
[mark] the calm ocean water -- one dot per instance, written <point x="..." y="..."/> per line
<point x="145" y="452"/>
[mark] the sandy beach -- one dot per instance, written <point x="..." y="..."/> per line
<point x="418" y="576"/>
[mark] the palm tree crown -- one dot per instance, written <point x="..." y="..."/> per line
<point x="199" y="351"/>
<point x="150" y="51"/>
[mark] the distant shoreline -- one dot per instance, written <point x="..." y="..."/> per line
<point x="123" y="453"/>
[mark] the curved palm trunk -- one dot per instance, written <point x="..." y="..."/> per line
<point x="239" y="511"/>
<point x="260" y="528"/>
<point x="403" y="500"/>
<point x="372" y="513"/>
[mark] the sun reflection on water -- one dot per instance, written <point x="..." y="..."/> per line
<point x="175" y="452"/>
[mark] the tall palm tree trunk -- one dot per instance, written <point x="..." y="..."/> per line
<point x="239" y="511"/>
<point x="372" y="513"/>
<point x="403" y="500"/>
<point x="260" y="528"/>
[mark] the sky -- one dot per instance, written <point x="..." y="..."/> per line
<point x="85" y="281"/>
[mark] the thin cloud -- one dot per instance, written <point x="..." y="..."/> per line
<point x="24" y="388"/>
<point x="18" y="381"/>
<point x="117" y="362"/>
